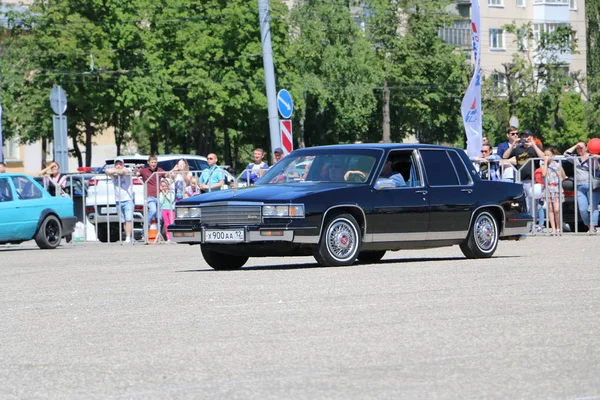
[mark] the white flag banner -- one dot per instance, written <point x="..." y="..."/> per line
<point x="471" y="103"/>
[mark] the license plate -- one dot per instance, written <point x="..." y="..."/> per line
<point x="108" y="210"/>
<point x="224" y="236"/>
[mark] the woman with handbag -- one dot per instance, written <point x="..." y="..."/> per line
<point x="553" y="174"/>
<point x="586" y="199"/>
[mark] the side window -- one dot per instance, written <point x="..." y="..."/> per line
<point x="25" y="188"/>
<point x="461" y="170"/>
<point x="5" y="190"/>
<point x="402" y="169"/>
<point x="439" y="168"/>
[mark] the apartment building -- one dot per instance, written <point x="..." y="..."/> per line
<point x="498" y="46"/>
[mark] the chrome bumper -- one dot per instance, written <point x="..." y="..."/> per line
<point x="181" y="236"/>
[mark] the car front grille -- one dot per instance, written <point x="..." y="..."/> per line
<point x="231" y="215"/>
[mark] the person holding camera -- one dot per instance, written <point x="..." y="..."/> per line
<point x="524" y="150"/>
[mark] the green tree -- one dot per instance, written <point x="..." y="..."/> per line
<point x="426" y="77"/>
<point x="333" y="72"/>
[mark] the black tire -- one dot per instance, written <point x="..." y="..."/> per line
<point x="49" y="233"/>
<point x="340" y="241"/>
<point x="482" y="240"/>
<point x="105" y="236"/>
<point x="370" y="257"/>
<point x="221" y="261"/>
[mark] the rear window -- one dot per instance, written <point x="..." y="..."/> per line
<point x="439" y="168"/>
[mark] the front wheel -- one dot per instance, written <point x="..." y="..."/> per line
<point x="483" y="237"/>
<point x="49" y="234"/>
<point x="222" y="261"/>
<point x="339" y="242"/>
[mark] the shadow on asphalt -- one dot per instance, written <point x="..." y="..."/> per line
<point x="315" y="265"/>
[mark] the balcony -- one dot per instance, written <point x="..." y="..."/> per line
<point x="458" y="35"/>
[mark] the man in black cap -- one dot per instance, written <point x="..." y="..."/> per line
<point x="277" y="155"/>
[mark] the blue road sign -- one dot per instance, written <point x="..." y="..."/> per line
<point x="284" y="103"/>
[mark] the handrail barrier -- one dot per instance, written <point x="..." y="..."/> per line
<point x="565" y="197"/>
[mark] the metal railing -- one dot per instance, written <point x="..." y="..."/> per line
<point x="539" y="197"/>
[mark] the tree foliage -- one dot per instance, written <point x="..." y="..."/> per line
<point x="187" y="76"/>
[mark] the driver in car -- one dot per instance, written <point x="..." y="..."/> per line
<point x="388" y="173"/>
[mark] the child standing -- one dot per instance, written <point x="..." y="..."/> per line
<point x="167" y="205"/>
<point x="553" y="174"/>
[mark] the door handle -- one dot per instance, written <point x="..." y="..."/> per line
<point x="423" y="192"/>
<point x="467" y="190"/>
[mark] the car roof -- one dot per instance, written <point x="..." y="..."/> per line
<point x="12" y="174"/>
<point x="378" y="146"/>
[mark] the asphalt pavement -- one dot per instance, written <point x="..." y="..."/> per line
<point x="104" y="321"/>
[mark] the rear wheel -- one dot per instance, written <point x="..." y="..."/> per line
<point x="104" y="235"/>
<point x="222" y="261"/>
<point x="339" y="242"/>
<point x="49" y="234"/>
<point x="483" y="237"/>
<point x="370" y="257"/>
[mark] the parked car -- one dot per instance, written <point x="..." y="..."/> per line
<point x="101" y="209"/>
<point x="28" y="211"/>
<point x="76" y="188"/>
<point x="356" y="215"/>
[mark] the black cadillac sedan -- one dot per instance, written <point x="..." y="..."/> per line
<point x="354" y="202"/>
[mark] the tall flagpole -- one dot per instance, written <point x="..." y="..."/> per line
<point x="471" y="103"/>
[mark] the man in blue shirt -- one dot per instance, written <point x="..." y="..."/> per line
<point x="512" y="134"/>
<point x="388" y="173"/>
<point x="212" y="178"/>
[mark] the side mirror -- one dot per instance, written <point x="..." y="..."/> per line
<point x="384" y="183"/>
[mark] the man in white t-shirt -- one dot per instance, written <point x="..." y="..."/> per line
<point x="255" y="169"/>
<point x="122" y="182"/>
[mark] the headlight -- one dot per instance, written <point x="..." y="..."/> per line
<point x="188" y="212"/>
<point x="283" y="211"/>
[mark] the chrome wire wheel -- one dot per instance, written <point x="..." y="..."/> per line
<point x="342" y="240"/>
<point x="485" y="232"/>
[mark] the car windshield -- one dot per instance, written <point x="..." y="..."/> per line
<point x="321" y="168"/>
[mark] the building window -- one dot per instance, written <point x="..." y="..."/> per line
<point x="496" y="39"/>
<point x="573" y="4"/>
<point x="11" y="149"/>
<point x="495" y="3"/>
<point x="523" y="38"/>
<point x="551" y="1"/>
<point x="458" y="34"/>
<point x="521" y="3"/>
<point x="539" y="29"/>
<point x="499" y="82"/>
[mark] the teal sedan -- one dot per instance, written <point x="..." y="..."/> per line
<point x="28" y="211"/>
